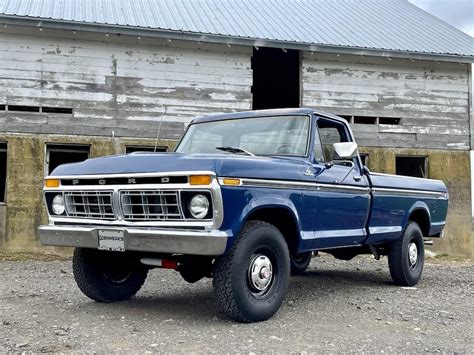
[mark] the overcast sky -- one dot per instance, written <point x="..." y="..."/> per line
<point x="459" y="13"/>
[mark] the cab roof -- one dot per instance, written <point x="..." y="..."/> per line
<point x="263" y="113"/>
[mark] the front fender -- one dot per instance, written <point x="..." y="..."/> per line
<point x="240" y="203"/>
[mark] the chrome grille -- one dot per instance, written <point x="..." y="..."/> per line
<point x="89" y="204"/>
<point x="150" y="205"/>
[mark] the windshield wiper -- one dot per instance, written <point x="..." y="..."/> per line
<point x="235" y="150"/>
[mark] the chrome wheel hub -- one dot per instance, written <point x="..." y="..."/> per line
<point x="412" y="254"/>
<point x="260" y="273"/>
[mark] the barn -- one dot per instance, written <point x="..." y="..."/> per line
<point x="82" y="78"/>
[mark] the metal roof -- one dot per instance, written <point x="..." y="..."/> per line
<point x="394" y="26"/>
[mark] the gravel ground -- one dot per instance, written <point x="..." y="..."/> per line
<point x="336" y="306"/>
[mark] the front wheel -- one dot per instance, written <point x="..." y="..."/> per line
<point x="107" y="276"/>
<point x="251" y="280"/>
<point x="406" y="256"/>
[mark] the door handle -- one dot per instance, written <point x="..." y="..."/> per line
<point x="357" y="177"/>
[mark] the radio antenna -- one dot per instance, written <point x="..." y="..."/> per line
<point x="158" y="134"/>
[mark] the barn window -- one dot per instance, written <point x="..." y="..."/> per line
<point x="22" y="108"/>
<point x="412" y="166"/>
<point x="276" y="78"/>
<point x="62" y="110"/>
<point x="390" y="120"/>
<point x="365" y="120"/>
<point x="63" y="154"/>
<point x="36" y="109"/>
<point x="3" y="171"/>
<point x="135" y="148"/>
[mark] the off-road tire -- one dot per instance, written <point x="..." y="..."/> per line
<point x="231" y="274"/>
<point x="404" y="274"/>
<point x="93" y="271"/>
<point x="300" y="262"/>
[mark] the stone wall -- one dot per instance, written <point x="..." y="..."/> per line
<point x="24" y="210"/>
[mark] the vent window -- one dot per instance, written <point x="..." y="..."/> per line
<point x="365" y="158"/>
<point x="412" y="166"/>
<point x="63" y="154"/>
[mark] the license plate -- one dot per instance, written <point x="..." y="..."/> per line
<point x="111" y="240"/>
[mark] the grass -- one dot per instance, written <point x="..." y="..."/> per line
<point x="24" y="256"/>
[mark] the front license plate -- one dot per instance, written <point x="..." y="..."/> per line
<point x="111" y="240"/>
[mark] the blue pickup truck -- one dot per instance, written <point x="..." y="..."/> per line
<point x="246" y="199"/>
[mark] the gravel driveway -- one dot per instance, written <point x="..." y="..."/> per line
<point x="335" y="306"/>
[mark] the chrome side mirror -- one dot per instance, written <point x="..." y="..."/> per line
<point x="345" y="150"/>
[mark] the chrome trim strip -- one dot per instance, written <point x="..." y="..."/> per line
<point x="172" y="241"/>
<point x="390" y="191"/>
<point x="340" y="233"/>
<point x="438" y="223"/>
<point x="283" y="184"/>
<point x="388" y="229"/>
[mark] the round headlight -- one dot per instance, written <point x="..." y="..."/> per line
<point x="58" y="205"/>
<point x="199" y="206"/>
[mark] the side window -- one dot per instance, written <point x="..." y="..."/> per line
<point x="330" y="132"/>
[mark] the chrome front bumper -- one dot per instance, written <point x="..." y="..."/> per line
<point x="173" y="241"/>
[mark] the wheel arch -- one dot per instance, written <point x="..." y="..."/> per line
<point x="282" y="217"/>
<point x="420" y="214"/>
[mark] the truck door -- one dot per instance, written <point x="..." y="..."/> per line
<point x="343" y="201"/>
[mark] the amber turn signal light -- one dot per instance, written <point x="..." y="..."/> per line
<point x="232" y="182"/>
<point x="200" y="179"/>
<point x="52" y="183"/>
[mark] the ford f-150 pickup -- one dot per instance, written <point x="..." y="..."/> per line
<point x="246" y="199"/>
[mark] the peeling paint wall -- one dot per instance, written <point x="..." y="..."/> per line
<point x="118" y="86"/>
<point x="430" y="98"/>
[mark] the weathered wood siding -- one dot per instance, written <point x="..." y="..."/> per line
<point x="431" y="98"/>
<point x="118" y="86"/>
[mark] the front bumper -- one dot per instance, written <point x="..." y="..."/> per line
<point x="172" y="241"/>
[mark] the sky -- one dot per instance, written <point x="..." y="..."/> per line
<point x="459" y="13"/>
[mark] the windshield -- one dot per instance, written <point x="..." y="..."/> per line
<point x="273" y="135"/>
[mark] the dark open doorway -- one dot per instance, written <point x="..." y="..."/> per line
<point x="276" y="78"/>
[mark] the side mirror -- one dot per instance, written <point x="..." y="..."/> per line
<point x="345" y="150"/>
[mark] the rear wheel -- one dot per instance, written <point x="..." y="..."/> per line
<point x="107" y="276"/>
<point x="406" y="256"/>
<point x="251" y="280"/>
<point x="300" y="262"/>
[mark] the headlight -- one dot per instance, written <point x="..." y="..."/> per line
<point x="199" y="206"/>
<point x="58" y="205"/>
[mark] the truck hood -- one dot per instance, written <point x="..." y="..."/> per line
<point x="222" y="164"/>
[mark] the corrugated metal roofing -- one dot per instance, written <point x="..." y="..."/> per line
<point x="393" y="25"/>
